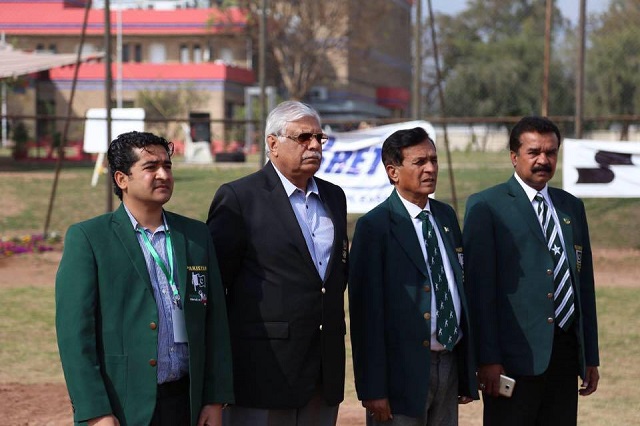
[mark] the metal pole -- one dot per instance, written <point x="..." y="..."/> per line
<point x="119" y="56"/>
<point x="108" y="82"/>
<point x="261" y="76"/>
<point x="417" y="63"/>
<point x="580" y="70"/>
<point x="547" y="58"/>
<point x="436" y="58"/>
<point x="65" y="131"/>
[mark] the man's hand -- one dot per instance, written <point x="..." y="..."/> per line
<point x="590" y="382"/>
<point x="489" y="378"/>
<point x="109" y="420"/>
<point x="210" y="415"/>
<point x="378" y="409"/>
<point x="464" y="399"/>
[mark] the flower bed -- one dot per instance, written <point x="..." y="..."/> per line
<point x="33" y="243"/>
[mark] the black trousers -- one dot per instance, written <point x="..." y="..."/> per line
<point x="172" y="404"/>
<point x="548" y="399"/>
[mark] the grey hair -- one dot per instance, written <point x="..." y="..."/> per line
<point x="284" y="113"/>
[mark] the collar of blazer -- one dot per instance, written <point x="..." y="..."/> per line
<point x="281" y="208"/>
<point x="127" y="235"/>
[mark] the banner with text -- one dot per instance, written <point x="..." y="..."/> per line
<point x="353" y="161"/>
<point x="601" y="168"/>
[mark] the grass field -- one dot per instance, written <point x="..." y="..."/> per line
<point x="27" y="337"/>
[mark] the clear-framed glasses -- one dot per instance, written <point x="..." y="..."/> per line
<point x="305" y="138"/>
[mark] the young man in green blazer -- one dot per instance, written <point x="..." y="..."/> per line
<point x="410" y="333"/>
<point x="529" y="274"/>
<point x="140" y="313"/>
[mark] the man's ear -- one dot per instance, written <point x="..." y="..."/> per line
<point x="514" y="158"/>
<point x="122" y="180"/>
<point x="273" y="143"/>
<point x="392" y="172"/>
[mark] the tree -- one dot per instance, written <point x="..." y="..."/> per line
<point x="169" y="104"/>
<point x="613" y="62"/>
<point x="309" y="41"/>
<point x="492" y="56"/>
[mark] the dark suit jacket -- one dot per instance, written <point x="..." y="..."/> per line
<point x="387" y="302"/>
<point x="287" y="324"/>
<point x="106" y="319"/>
<point x="509" y="278"/>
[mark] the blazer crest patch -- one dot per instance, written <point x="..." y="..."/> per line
<point x="199" y="284"/>
<point x="578" y="257"/>
<point x="460" y="256"/>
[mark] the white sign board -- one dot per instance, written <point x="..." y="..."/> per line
<point x="353" y="161"/>
<point x="602" y="169"/>
<point x="95" y="127"/>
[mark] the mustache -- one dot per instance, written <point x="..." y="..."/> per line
<point x="542" y="168"/>
<point x="315" y="155"/>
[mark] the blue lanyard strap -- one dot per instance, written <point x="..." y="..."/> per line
<point x="156" y="257"/>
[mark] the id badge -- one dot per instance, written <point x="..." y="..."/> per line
<point x="179" y="327"/>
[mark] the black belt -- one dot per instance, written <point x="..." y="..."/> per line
<point x="171" y="389"/>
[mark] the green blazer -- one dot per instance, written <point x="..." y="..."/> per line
<point x="509" y="278"/>
<point x="387" y="302"/>
<point x="106" y="319"/>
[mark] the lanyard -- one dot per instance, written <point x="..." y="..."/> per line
<point x="156" y="257"/>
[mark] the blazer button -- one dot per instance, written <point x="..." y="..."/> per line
<point x="324" y="290"/>
<point x="427" y="288"/>
<point x="549" y="272"/>
<point x="426" y="343"/>
<point x="549" y="295"/>
<point x="320" y="327"/>
<point x="427" y="316"/>
<point x="153" y="362"/>
<point x="153" y="326"/>
<point x="550" y="320"/>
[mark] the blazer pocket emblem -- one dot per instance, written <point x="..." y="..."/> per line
<point x="199" y="284"/>
<point x="460" y="256"/>
<point x="566" y="220"/>
<point x="578" y="257"/>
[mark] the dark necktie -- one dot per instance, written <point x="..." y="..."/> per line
<point x="446" y="321"/>
<point x="563" y="294"/>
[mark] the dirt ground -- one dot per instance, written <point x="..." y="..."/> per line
<point x="48" y="404"/>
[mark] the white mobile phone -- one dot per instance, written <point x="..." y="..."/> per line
<point x="506" y="386"/>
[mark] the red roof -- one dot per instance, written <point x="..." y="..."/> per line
<point x="51" y="17"/>
<point x="164" y="72"/>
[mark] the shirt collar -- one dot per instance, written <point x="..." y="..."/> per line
<point x="136" y="225"/>
<point x="413" y="209"/>
<point x="532" y="192"/>
<point x="289" y="188"/>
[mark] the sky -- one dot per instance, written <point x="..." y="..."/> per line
<point x="570" y="8"/>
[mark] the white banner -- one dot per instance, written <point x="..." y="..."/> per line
<point x="353" y="161"/>
<point x="601" y="168"/>
<point x="95" y="128"/>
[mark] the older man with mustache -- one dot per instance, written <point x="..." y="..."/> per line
<point x="281" y="240"/>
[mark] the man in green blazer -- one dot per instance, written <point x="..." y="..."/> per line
<point x="140" y="313"/>
<point x="406" y="295"/>
<point x="529" y="277"/>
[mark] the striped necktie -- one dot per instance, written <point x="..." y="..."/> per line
<point x="563" y="296"/>
<point x="446" y="321"/>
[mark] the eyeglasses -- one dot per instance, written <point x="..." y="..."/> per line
<point x="305" y="138"/>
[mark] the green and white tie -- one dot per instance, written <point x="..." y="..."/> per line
<point x="446" y="321"/>
<point x="563" y="296"/>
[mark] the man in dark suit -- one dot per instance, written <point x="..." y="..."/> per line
<point x="140" y="312"/>
<point x="280" y="235"/>
<point x="529" y="276"/>
<point x="409" y="320"/>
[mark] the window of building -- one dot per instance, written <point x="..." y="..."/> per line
<point x="53" y="48"/>
<point x="39" y="47"/>
<point x="137" y="55"/>
<point x="226" y="55"/>
<point x="157" y="53"/>
<point x="126" y="52"/>
<point x="197" y="54"/>
<point x="184" y="54"/>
